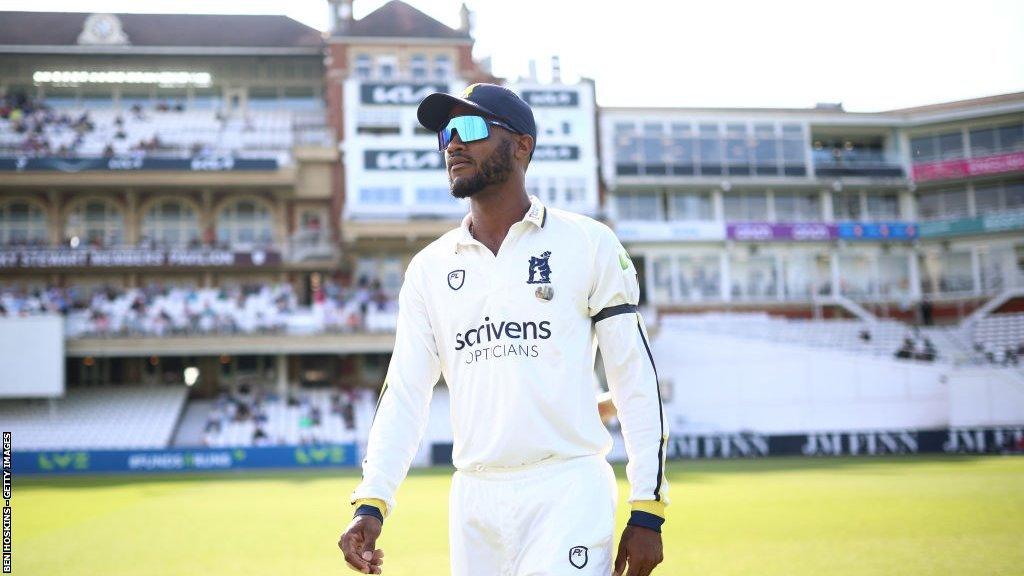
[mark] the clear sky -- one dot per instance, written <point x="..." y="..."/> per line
<point x="868" y="54"/>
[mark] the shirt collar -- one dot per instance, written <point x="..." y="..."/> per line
<point x="536" y="215"/>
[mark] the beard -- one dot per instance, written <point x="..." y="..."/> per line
<point x="496" y="169"/>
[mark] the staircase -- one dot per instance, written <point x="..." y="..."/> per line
<point x="190" y="427"/>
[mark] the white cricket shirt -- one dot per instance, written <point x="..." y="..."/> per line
<point x="513" y="335"/>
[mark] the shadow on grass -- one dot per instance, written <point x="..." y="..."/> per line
<point x="681" y="470"/>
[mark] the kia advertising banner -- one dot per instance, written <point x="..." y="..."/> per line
<point x="400" y="160"/>
<point x="552" y="98"/>
<point x="397" y="94"/>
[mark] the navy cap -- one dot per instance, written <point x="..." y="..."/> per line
<point x="489" y="99"/>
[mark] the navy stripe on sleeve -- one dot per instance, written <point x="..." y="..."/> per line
<point x="661" y="416"/>
<point x="614" y="311"/>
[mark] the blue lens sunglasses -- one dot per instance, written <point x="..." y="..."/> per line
<point x="470" y="129"/>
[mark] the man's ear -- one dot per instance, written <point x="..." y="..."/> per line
<point x="524" y="147"/>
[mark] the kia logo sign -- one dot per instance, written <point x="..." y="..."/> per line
<point x="556" y="152"/>
<point x="551" y="97"/>
<point x="403" y="160"/>
<point x="398" y="94"/>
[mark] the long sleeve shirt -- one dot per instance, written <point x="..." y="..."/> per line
<point x="513" y="335"/>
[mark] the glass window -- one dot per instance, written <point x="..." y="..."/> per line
<point x="418" y="67"/>
<point x="983" y="142"/>
<point x="1011" y="138"/>
<point x="947" y="272"/>
<point x="766" y="152"/>
<point x="893" y="275"/>
<point x="752" y="277"/>
<point x="387" y="67"/>
<point x="954" y="203"/>
<point x="364" y="67"/>
<point x="682" y="150"/>
<point x="699" y="277"/>
<point x="170" y="223"/>
<point x="627" y="150"/>
<point x="951" y="145"/>
<point x="846" y="205"/>
<point x="661" y="283"/>
<point x="923" y="148"/>
<point x="710" y="150"/>
<point x="793" y="151"/>
<point x="638" y="206"/>
<point x="245" y="222"/>
<point x="745" y="206"/>
<point x="691" y="206"/>
<point x="942" y="204"/>
<point x="797" y="207"/>
<point x="883" y="206"/>
<point x="856" y="275"/>
<point x="737" y="154"/>
<point x="1013" y="194"/>
<point x="435" y="195"/>
<point x="22" y="223"/>
<point x="442" y="67"/>
<point x="654" y="149"/>
<point x="807" y="273"/>
<point x="96" y="223"/>
<point x="988" y="199"/>
<point x="575" y="191"/>
<point x="380" y="195"/>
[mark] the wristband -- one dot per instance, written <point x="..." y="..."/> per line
<point x="646" y="520"/>
<point x="368" y="510"/>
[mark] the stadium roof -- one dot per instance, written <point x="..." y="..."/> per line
<point x="396" y="19"/>
<point x="61" y="32"/>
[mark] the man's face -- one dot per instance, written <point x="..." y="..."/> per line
<point x="476" y="165"/>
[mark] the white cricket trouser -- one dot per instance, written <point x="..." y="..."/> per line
<point x="548" y="519"/>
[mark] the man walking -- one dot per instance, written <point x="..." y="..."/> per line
<point x="506" y="307"/>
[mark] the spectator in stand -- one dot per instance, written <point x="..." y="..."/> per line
<point x="260" y="437"/>
<point x="1010" y="357"/>
<point x="906" y="350"/>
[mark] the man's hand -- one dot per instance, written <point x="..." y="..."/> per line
<point x="358" y="542"/>
<point x="641" y="548"/>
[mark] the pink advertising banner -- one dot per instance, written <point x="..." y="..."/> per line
<point x="947" y="169"/>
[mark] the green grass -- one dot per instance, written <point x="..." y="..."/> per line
<point x="827" y="516"/>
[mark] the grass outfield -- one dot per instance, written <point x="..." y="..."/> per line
<point x="824" y="516"/>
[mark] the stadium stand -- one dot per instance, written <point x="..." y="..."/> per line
<point x="105" y="417"/>
<point x="999" y="338"/>
<point x="159" y="311"/>
<point x="880" y="338"/>
<point x="305" y="417"/>
<point x="30" y="128"/>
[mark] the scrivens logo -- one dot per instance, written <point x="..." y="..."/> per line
<point x="502" y="339"/>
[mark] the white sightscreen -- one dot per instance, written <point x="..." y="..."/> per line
<point x="32" y="357"/>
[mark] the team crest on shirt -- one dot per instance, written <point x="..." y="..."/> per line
<point x="540" y="269"/>
<point x="578" y="556"/>
<point x="456" y="278"/>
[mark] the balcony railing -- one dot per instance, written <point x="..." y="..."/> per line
<point x="863" y="164"/>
